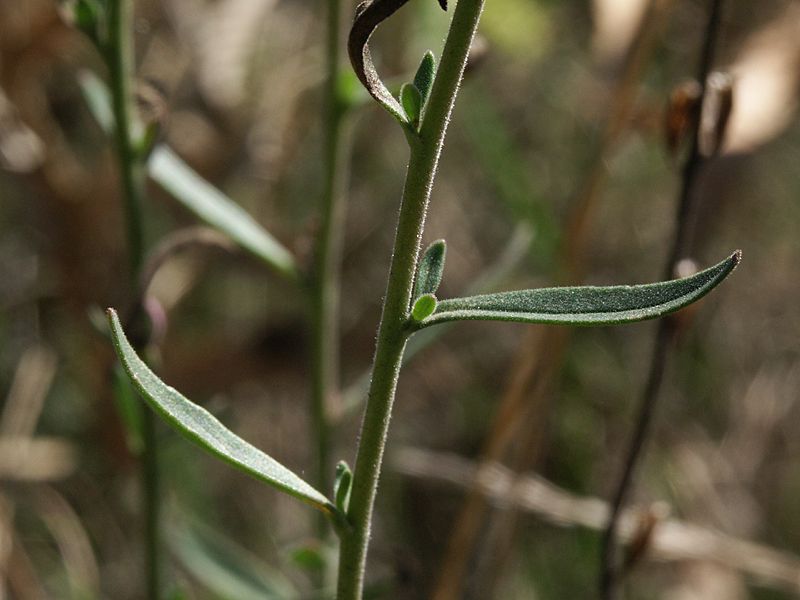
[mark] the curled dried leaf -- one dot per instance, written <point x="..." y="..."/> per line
<point x="370" y="14"/>
<point x="716" y="111"/>
<point x="682" y="113"/>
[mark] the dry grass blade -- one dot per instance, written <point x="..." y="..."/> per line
<point x="670" y="539"/>
<point x="25" y="399"/>
<point x="36" y="459"/>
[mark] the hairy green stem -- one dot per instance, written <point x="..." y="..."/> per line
<point x="325" y="301"/>
<point x="392" y="334"/>
<point x="119" y="57"/>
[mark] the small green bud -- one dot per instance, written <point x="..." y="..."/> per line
<point x="423" y="79"/>
<point x="424" y="307"/>
<point x="341" y="486"/>
<point x="411" y="99"/>
<point x="431" y="267"/>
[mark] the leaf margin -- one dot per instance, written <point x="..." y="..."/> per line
<point x="454" y="309"/>
<point x="138" y="372"/>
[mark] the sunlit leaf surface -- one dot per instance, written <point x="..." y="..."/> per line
<point x="585" y="305"/>
<point x="201" y="427"/>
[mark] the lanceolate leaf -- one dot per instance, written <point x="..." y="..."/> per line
<point x="194" y="192"/>
<point x="205" y="430"/>
<point x="585" y="305"/>
<point x="222" y="566"/>
<point x="426" y="71"/>
<point x="216" y="209"/>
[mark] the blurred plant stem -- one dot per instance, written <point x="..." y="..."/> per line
<point x="327" y="269"/>
<point x="119" y="58"/>
<point x="667" y="329"/>
<point x="392" y="334"/>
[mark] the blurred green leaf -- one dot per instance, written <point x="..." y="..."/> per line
<point x="217" y="210"/>
<point x="224" y="567"/>
<point x="349" y="90"/>
<point x="431" y="268"/>
<point x="586" y="305"/>
<point x="129" y="410"/>
<point x="195" y="193"/>
<point x="201" y="427"/>
<point x="86" y="14"/>
<point x="98" y="99"/>
<point x="309" y="558"/>
<point x="509" y="172"/>
<point x="423" y="79"/>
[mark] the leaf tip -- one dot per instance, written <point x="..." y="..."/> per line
<point x="736" y="257"/>
<point x="411" y="101"/>
<point x="113" y="317"/>
<point x="341" y="486"/>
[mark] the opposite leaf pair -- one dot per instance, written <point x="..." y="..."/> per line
<point x="565" y="305"/>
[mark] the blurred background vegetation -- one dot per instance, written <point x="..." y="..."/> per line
<point x="556" y="125"/>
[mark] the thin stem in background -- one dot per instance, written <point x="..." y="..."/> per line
<point x="670" y="541"/>
<point x="119" y="57"/>
<point x="326" y="277"/>
<point x="533" y="374"/>
<point x="665" y="336"/>
<point x="392" y="335"/>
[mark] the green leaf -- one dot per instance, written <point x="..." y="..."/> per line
<point x="431" y="267"/>
<point x="586" y="305"/>
<point x="411" y="99"/>
<point x="195" y="193"/>
<point x="309" y="558"/>
<point x="201" y="427"/>
<point x="424" y="307"/>
<point x="423" y="79"/>
<point x="499" y="155"/>
<point x="341" y="486"/>
<point x="129" y="410"/>
<point x="86" y="14"/>
<point x="217" y="210"/>
<point x="226" y="569"/>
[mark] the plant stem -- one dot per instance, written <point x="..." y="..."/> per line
<point x="326" y="284"/>
<point x="119" y="57"/>
<point x="666" y="333"/>
<point x="425" y="151"/>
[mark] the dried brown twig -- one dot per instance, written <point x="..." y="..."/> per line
<point x="669" y="539"/>
<point x="667" y="329"/>
<point x="534" y="372"/>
